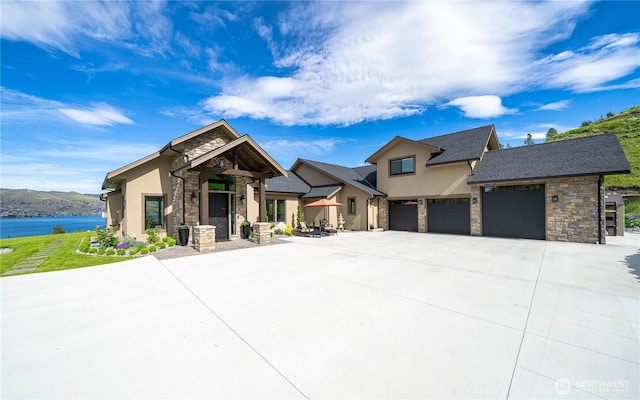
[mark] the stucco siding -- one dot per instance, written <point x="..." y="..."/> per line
<point x="314" y="177"/>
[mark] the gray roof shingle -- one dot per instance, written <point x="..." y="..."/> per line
<point x="593" y="155"/>
<point x="322" y="191"/>
<point x="460" y="146"/>
<point x="289" y="184"/>
<point x="351" y="176"/>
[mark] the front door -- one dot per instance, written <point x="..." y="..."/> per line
<point x="219" y="214"/>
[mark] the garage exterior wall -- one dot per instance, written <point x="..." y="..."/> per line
<point x="573" y="218"/>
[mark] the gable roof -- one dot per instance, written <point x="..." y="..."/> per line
<point x="291" y="183"/>
<point x="251" y="155"/>
<point x="464" y="145"/>
<point x="349" y="176"/>
<point x="250" y="147"/>
<point x="323" y="191"/>
<point x="592" y="155"/>
<point x="397" y="140"/>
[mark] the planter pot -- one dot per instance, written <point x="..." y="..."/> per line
<point x="183" y="236"/>
<point x="245" y="231"/>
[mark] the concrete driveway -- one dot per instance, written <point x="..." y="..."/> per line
<point x="383" y="315"/>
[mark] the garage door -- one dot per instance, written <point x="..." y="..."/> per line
<point x="449" y="216"/>
<point x="514" y="211"/>
<point x="403" y="215"/>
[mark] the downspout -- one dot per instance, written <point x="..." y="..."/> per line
<point x="600" y="182"/>
<point x="184" y="198"/>
<point x="470" y="167"/>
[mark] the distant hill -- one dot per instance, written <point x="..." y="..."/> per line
<point x="626" y="126"/>
<point x="33" y="203"/>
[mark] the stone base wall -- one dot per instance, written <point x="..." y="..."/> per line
<point x="262" y="232"/>
<point x="204" y="238"/>
<point x="574" y="217"/>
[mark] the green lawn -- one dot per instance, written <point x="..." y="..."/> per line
<point x="63" y="257"/>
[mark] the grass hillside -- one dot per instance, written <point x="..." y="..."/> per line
<point x="626" y="126"/>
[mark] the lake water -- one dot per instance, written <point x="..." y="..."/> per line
<point x="36" y="226"/>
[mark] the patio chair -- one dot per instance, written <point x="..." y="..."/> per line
<point x="305" y="230"/>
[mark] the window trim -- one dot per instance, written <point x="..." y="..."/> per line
<point x="352" y="200"/>
<point x="413" y="172"/>
<point x="163" y="225"/>
<point x="276" y="203"/>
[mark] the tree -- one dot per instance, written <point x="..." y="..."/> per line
<point x="586" y="123"/>
<point x="529" y="140"/>
<point x="57" y="229"/>
<point x="551" y="133"/>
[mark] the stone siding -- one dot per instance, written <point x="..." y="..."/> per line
<point x="262" y="232"/>
<point x="476" y="211"/>
<point x="204" y="238"/>
<point x="422" y="215"/>
<point x="574" y="217"/>
<point x="383" y="214"/>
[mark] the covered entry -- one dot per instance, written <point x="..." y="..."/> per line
<point x="514" y="211"/>
<point x="219" y="214"/>
<point x="449" y="216"/>
<point x="403" y="215"/>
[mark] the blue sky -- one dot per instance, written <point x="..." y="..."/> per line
<point x="88" y="87"/>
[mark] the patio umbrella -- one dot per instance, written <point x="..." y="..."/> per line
<point x="324" y="203"/>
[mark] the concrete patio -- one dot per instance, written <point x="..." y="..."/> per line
<point x="382" y="315"/>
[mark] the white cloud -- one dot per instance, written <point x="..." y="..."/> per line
<point x="346" y="69"/>
<point x="487" y="106"/>
<point x="19" y="107"/>
<point x="98" y="114"/>
<point x="590" y="68"/>
<point x="555" y="106"/>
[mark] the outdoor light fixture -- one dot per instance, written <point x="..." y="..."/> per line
<point x="554" y="198"/>
<point x="193" y="197"/>
<point x="419" y="201"/>
<point x="242" y="198"/>
<point x="474" y="200"/>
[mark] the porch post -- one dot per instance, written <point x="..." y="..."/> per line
<point x="204" y="198"/>
<point x="262" y="201"/>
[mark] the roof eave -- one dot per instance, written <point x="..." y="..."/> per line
<point x="472" y="182"/>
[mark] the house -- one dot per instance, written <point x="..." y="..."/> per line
<point x="201" y="178"/>
<point x="463" y="183"/>
<point x="458" y="183"/>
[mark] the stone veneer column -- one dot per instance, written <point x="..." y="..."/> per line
<point x="262" y="232"/>
<point x="383" y="212"/>
<point x="476" y="211"/>
<point x="204" y="237"/>
<point x="574" y="216"/>
<point x="422" y="215"/>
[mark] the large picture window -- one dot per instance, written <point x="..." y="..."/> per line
<point x="276" y="211"/>
<point x="402" y="166"/>
<point x="153" y="212"/>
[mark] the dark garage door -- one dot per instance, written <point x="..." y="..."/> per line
<point x="403" y="215"/>
<point x="514" y="211"/>
<point x="448" y="216"/>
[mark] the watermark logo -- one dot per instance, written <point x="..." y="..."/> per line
<point x="563" y="386"/>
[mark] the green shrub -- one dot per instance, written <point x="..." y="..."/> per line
<point x="152" y="248"/>
<point x="101" y="251"/>
<point x="144" y="251"/>
<point x="92" y="250"/>
<point x="162" y="245"/>
<point x="152" y="235"/>
<point x="110" y="252"/>
<point x="121" y="252"/>
<point x="170" y="241"/>
<point x="133" y="252"/>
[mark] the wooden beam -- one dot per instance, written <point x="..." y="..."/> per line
<point x="229" y="171"/>
<point x="204" y="199"/>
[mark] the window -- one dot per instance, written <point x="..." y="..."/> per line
<point x="222" y="182"/>
<point x="153" y="212"/>
<point x="351" y="205"/>
<point x="402" y="166"/>
<point x="276" y="208"/>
